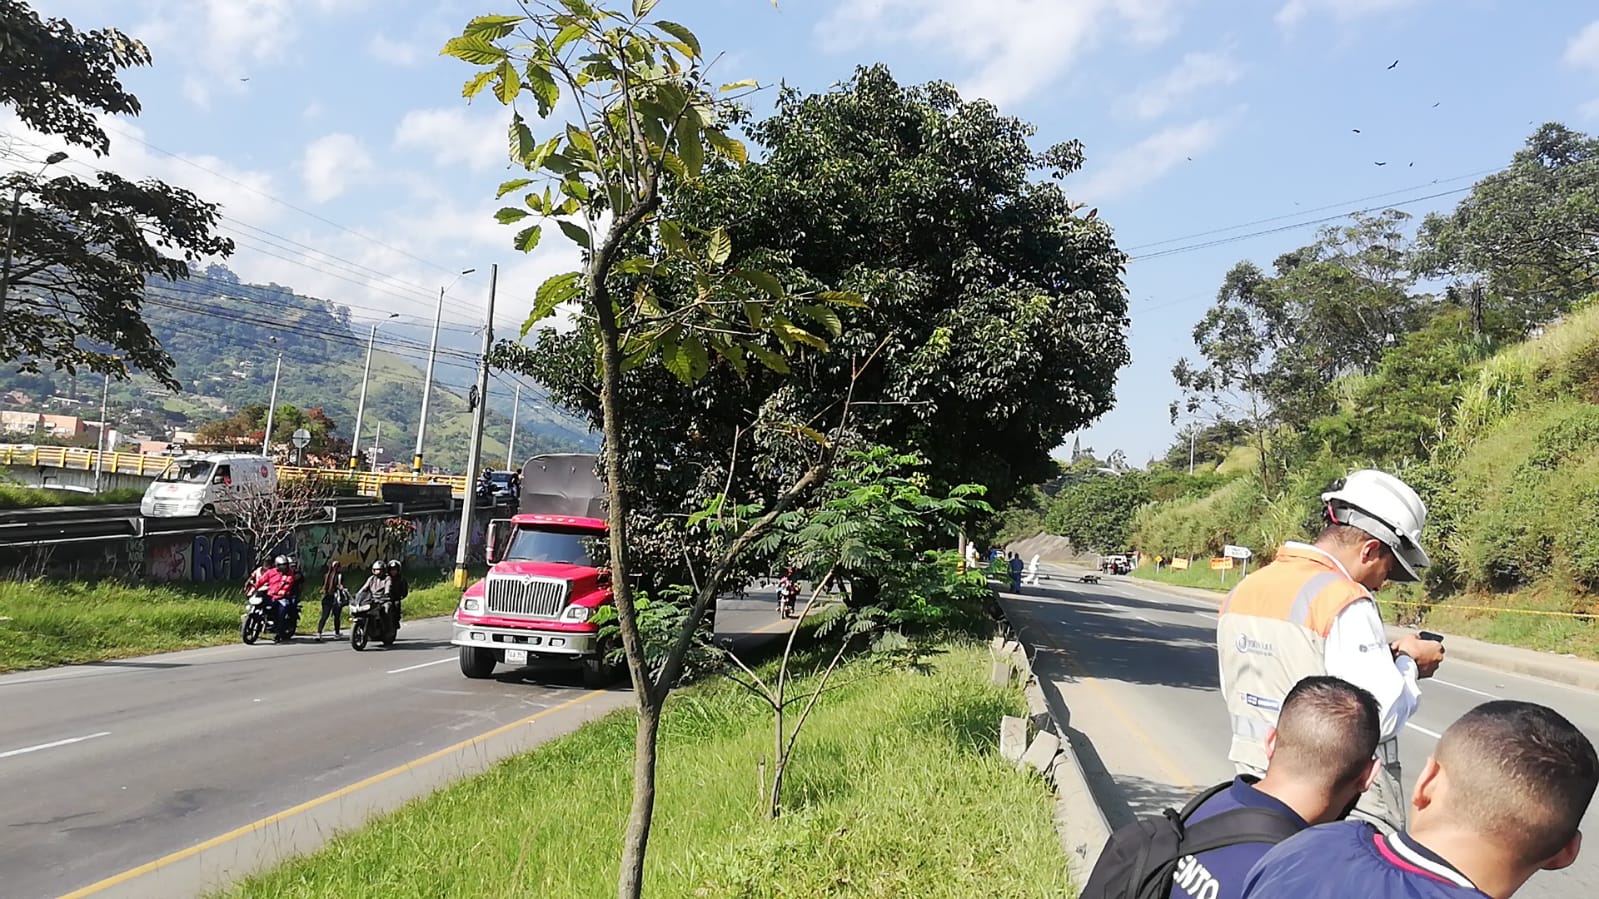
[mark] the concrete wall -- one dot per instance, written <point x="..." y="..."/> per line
<point x="71" y="478"/>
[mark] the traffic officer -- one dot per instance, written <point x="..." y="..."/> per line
<point x="1310" y="612"/>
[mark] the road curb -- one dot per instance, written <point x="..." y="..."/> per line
<point x="1079" y="821"/>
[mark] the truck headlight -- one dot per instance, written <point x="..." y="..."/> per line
<point x="471" y="605"/>
<point x="577" y="613"/>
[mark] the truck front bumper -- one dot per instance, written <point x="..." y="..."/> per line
<point x="536" y="642"/>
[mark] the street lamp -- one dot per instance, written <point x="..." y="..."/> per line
<point x="272" y="405"/>
<point x="11" y="226"/>
<point x="427" y="381"/>
<point x="360" y="409"/>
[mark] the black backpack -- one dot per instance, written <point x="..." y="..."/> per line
<point x="1139" y="860"/>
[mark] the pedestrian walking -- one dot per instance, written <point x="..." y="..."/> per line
<point x="333" y="594"/>
<point x="1310" y="612"/>
<point x="1032" y="571"/>
<point x="1015" y="565"/>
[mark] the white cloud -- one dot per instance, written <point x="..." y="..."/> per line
<point x="1196" y="72"/>
<point x="1590" y="109"/>
<point x="331" y="163"/>
<point x="1012" y="48"/>
<point x="1295" y="11"/>
<point x="1143" y="163"/>
<point x="1583" y="51"/>
<point x="394" y="52"/>
<point x="453" y="136"/>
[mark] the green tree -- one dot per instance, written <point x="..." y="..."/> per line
<point x="660" y="294"/>
<point x="1523" y="244"/>
<point x="78" y="252"/>
<point x="1097" y="512"/>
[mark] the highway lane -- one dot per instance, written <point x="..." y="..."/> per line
<point x="1137" y="670"/>
<point x="108" y="766"/>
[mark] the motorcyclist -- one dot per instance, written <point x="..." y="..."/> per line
<point x="283" y="588"/>
<point x="787" y="591"/>
<point x="376" y="588"/>
<point x="485" y="485"/>
<point x="399" y="588"/>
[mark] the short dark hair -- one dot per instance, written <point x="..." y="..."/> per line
<point x="1520" y="773"/>
<point x="1327" y="731"/>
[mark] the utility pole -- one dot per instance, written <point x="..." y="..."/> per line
<point x="377" y="437"/>
<point x="272" y="407"/>
<point x="1190" y="449"/>
<point x="476" y="447"/>
<point x="99" y="457"/>
<point x="427" y="381"/>
<point x="360" y="408"/>
<point x="510" y="448"/>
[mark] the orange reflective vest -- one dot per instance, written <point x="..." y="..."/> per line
<point x="1271" y="633"/>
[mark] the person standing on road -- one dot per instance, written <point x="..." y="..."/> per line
<point x="1015" y="565"/>
<point x="332" y="600"/>
<point x="1501" y="799"/>
<point x="1310" y="612"/>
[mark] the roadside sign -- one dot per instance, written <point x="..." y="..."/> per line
<point x="1236" y="552"/>
<point x="1179" y="564"/>
<point x="1221" y="564"/>
<point x="301" y="438"/>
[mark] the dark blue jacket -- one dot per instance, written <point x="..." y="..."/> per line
<point x="1226" y="868"/>
<point x="1350" y="858"/>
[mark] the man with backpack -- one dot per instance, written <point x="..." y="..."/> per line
<point x="1321" y="757"/>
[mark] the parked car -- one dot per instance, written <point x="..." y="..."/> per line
<point x="207" y="484"/>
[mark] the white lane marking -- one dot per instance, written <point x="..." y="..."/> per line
<point x="1467" y="689"/>
<point x="423" y="665"/>
<point x="27" y="749"/>
<point x="1422" y="730"/>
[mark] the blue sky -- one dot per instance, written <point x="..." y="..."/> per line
<point x="349" y="167"/>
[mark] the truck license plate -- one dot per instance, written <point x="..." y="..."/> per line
<point x="516" y="657"/>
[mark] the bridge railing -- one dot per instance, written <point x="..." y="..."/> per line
<point x="367" y="483"/>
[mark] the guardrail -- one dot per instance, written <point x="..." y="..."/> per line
<point x="141" y="465"/>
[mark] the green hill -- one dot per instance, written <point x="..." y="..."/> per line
<point x="219" y="333"/>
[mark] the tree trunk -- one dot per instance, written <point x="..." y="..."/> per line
<point x="635" y="843"/>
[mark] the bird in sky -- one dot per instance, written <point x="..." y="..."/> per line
<point x="1436" y="105"/>
<point x="1393" y="64"/>
<point x="1356" y="130"/>
<point x="1381" y="163"/>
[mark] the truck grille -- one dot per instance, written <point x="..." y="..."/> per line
<point x="531" y="597"/>
<point x="164" y="507"/>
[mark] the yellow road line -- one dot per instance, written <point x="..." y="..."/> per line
<point x="1170" y="766"/>
<point x="146" y="868"/>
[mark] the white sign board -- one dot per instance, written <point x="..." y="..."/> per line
<point x="1236" y="552"/>
<point x="301" y="438"/>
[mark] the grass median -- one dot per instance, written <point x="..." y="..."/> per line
<point x="17" y="497"/>
<point x="896" y="790"/>
<point x="44" y="622"/>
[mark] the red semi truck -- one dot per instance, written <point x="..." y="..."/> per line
<point x="543" y="587"/>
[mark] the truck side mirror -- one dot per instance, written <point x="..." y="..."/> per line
<point x="491" y="540"/>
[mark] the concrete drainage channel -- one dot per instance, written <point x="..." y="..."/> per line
<point x="1038" y="742"/>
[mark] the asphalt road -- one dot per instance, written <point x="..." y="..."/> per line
<point x="105" y="767"/>
<point x="1137" y="670"/>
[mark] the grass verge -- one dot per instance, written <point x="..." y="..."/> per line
<point x="45" y="623"/>
<point x="14" y="497"/>
<point x="895" y="791"/>
<point x="1199" y="576"/>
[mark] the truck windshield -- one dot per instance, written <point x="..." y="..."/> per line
<point x="189" y="472"/>
<point x="563" y="547"/>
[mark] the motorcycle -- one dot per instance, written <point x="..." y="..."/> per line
<point x="261" y="613"/>
<point x="787" y="593"/>
<point x="372" y="619"/>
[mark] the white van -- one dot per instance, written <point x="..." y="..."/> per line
<point x="206" y="484"/>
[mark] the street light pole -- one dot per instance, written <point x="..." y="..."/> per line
<point x="99" y="456"/>
<point x="360" y="408"/>
<point x="510" y="449"/>
<point x="427" y="380"/>
<point x="476" y="446"/>
<point x="1190" y="449"/>
<point x="11" y="228"/>
<point x="272" y="408"/>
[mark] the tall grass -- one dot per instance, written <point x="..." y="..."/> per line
<point x="895" y="791"/>
<point x="13" y="496"/>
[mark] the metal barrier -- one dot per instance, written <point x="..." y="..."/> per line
<point x="139" y="464"/>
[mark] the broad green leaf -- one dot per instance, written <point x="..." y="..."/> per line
<point x="473" y="49"/>
<point x="756" y="315"/>
<point x="528" y="238"/>
<point x="579" y="8"/>
<point x="672" y="237"/>
<point x="676" y="359"/>
<point x="509" y="83"/>
<point x="536" y="203"/>
<point x="510" y="214"/>
<point x="788" y="332"/>
<point x="641" y="8"/>
<point x="699" y="363"/>
<point x="721" y="246"/>
<point x="492" y="27"/>
<point x="814" y="434"/>
<point x="567" y="207"/>
<point x="690" y="148"/>
<point x="522" y="144"/>
<point x="566" y="36"/>
<point x="543" y="86"/>
<point x="559" y="164"/>
<point x="727" y="147"/>
<point x="765" y="282"/>
<point x="513" y="185"/>
<point x="552" y="293"/>
<point x="842" y="298"/>
<point x="578" y="234"/>
<point x="766" y="357"/>
<point x="476" y="83"/>
<point x="725" y="349"/>
<point x="638" y="265"/>
<point x="682" y="34"/>
<point x="825" y="317"/>
<point x="675" y="166"/>
<point x="579" y="139"/>
<point x="740" y="85"/>
<point x="576" y="188"/>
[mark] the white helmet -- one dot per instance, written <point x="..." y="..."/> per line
<point x="1386" y="508"/>
<point x="281" y="560"/>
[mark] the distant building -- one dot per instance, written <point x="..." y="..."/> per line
<point x="60" y="426"/>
